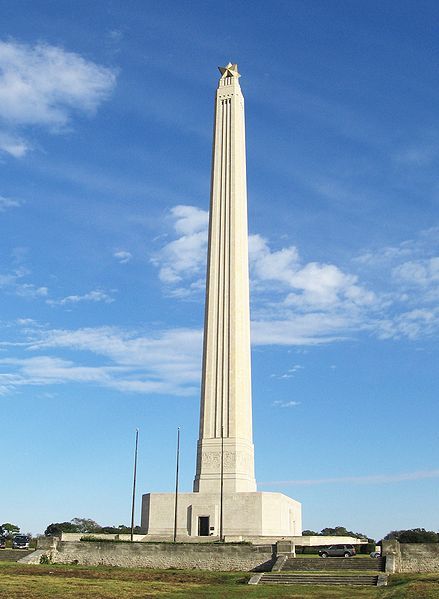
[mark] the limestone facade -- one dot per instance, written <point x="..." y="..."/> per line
<point x="245" y="515"/>
<point x="226" y="407"/>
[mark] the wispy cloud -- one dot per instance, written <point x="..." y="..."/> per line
<point x="167" y="362"/>
<point x="123" y="256"/>
<point x="408" y="276"/>
<point x="7" y="203"/>
<point x="417" y="155"/>
<point x="13" y="144"/>
<point x="373" y="479"/>
<point x="285" y="404"/>
<point x="45" y="85"/>
<point x="290" y="373"/>
<point x="414" y="273"/>
<point x="424" y="244"/>
<point x="96" y="295"/>
<point x="14" y="283"/>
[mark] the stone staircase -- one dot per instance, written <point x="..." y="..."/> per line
<point x="319" y="571"/>
<point x="334" y="564"/>
<point x="316" y="579"/>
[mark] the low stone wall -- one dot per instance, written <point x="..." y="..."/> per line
<point x="150" y="555"/>
<point x="411" y="557"/>
<point x="77" y="536"/>
<point x="419" y="557"/>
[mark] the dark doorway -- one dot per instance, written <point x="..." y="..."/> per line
<point x="203" y="526"/>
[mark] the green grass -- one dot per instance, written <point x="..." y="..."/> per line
<point x="18" y="581"/>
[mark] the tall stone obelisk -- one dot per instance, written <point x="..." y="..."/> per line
<point x="226" y="412"/>
<point x="225" y="502"/>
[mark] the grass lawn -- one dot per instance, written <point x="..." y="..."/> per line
<point x="19" y="581"/>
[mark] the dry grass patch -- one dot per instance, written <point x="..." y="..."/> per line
<point x="18" y="581"/>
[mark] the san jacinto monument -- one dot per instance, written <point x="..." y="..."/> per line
<point x="224" y="498"/>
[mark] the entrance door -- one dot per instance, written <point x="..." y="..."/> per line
<point x="203" y="526"/>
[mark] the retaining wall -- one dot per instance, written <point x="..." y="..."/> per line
<point x="411" y="557"/>
<point x="151" y="555"/>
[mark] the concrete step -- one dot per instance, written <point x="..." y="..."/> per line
<point x="314" y="564"/>
<point x="322" y="579"/>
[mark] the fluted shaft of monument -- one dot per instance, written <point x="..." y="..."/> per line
<point x="226" y="378"/>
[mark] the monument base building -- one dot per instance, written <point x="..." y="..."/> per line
<point x="225" y="501"/>
<point x="245" y="515"/>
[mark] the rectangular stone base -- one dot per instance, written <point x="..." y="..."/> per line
<point x="245" y="515"/>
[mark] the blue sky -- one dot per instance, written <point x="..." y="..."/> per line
<point x="105" y="146"/>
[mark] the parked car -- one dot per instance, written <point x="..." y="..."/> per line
<point x="338" y="551"/>
<point x="2" y="542"/>
<point x="375" y="554"/>
<point x="20" y="542"/>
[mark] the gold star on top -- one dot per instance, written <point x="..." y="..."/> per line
<point x="231" y="70"/>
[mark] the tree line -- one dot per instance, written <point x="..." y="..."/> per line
<point x="86" y="525"/>
<point x="413" y="535"/>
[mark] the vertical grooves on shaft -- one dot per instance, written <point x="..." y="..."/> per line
<point x="218" y="303"/>
<point x="226" y="270"/>
<point x="222" y="341"/>
<point x="229" y="230"/>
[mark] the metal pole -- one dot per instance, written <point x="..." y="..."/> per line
<point x="222" y="484"/>
<point x="176" y="484"/>
<point x="134" y="485"/>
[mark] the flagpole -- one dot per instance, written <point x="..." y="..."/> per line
<point x="176" y="484"/>
<point x="222" y="485"/>
<point x="134" y="485"/>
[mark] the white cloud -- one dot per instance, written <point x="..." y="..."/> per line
<point x="6" y="203"/>
<point x="311" y="286"/>
<point x="185" y="256"/>
<point x="408" y="275"/>
<point x="412" y="324"/>
<point x="189" y="219"/>
<point x="272" y="265"/>
<point x="167" y="362"/>
<point x="13" y="144"/>
<point x="307" y="303"/>
<point x="13" y="283"/>
<point x="418" y="272"/>
<point x="122" y="256"/>
<point x="302" y="329"/>
<point x="285" y="404"/>
<point x="31" y="291"/>
<point x="424" y="244"/>
<point x="290" y="373"/>
<point x="96" y="295"/>
<point x="314" y="285"/>
<point x="45" y="85"/>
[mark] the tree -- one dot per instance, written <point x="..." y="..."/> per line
<point x="341" y="531"/>
<point x="9" y="529"/>
<point x="309" y="533"/>
<point x="56" y="528"/>
<point x="122" y="529"/>
<point x="413" y="535"/>
<point x="86" y="525"/>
